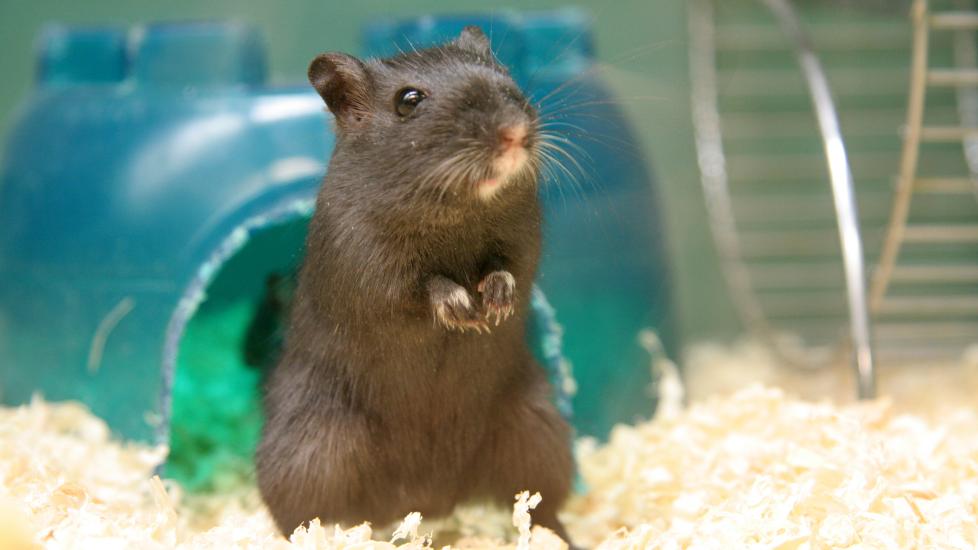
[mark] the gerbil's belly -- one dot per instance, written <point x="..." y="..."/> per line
<point x="440" y="399"/>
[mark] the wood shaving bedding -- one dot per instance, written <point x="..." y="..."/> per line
<point x="762" y="470"/>
<point x="64" y="484"/>
<point x="755" y="469"/>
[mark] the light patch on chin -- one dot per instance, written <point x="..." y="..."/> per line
<point x="505" y="166"/>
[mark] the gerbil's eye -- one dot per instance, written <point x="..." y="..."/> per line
<point x="406" y="101"/>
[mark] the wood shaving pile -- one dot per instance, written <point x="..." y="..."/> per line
<point x="64" y="483"/>
<point x="755" y="469"/>
<point x="760" y="469"/>
<point x="932" y="389"/>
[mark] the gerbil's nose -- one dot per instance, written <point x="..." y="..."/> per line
<point x="512" y="136"/>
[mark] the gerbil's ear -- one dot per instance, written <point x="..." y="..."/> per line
<point x="344" y="85"/>
<point x="473" y="40"/>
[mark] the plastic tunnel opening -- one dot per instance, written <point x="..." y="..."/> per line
<point x="228" y="347"/>
<point x="230" y="344"/>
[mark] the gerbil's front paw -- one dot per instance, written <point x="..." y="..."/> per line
<point x="498" y="291"/>
<point x="455" y="309"/>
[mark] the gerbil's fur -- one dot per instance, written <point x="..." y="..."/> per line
<point x="406" y="383"/>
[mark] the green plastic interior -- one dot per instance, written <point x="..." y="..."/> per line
<point x="217" y="414"/>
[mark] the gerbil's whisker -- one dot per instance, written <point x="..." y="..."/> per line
<point x="555" y="165"/>
<point x="552" y="147"/>
<point x="578" y="79"/>
<point x="550" y="164"/>
<point x="629" y="55"/>
<point x="413" y="48"/>
<point x="553" y="143"/>
<point x="429" y="179"/>
<point x="554" y="162"/>
<point x="563" y="108"/>
<point x="599" y="138"/>
<point x="554" y="138"/>
<point x="460" y="167"/>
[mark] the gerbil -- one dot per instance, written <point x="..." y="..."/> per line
<point x="406" y="383"/>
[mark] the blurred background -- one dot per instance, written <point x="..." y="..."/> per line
<point x="157" y="177"/>
<point x="636" y="247"/>
<point x="642" y="45"/>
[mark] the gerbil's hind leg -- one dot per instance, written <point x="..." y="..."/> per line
<point x="314" y="467"/>
<point x="529" y="448"/>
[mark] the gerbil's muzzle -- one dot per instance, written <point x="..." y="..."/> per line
<point x="513" y="136"/>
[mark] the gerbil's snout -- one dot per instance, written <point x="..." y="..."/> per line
<point x="511" y="156"/>
<point x="512" y="136"/>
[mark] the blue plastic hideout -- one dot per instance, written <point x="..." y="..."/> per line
<point x="153" y="185"/>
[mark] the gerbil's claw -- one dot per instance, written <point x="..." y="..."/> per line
<point x="498" y="291"/>
<point x="476" y="326"/>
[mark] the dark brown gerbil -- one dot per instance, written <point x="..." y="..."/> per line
<point x="406" y="383"/>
